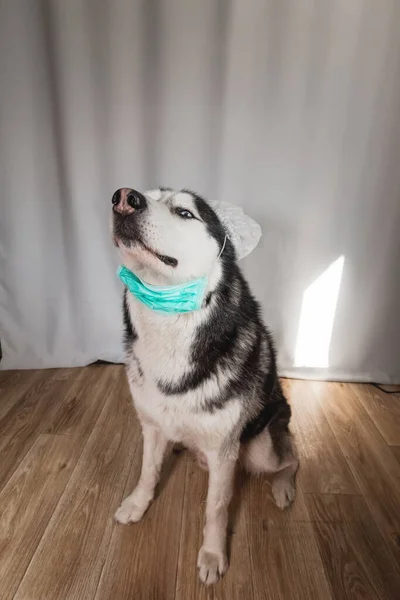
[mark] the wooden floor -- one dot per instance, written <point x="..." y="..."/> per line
<point x="71" y="450"/>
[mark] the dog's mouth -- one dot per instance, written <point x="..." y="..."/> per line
<point x="167" y="260"/>
<point x="125" y="241"/>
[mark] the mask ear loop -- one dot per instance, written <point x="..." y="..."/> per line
<point x="219" y="255"/>
<point x="223" y="247"/>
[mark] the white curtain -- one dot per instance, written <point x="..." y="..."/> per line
<point x="290" y="108"/>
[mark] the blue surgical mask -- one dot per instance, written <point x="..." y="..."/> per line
<point x="169" y="299"/>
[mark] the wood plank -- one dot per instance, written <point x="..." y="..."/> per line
<point x="142" y="558"/>
<point x="77" y="412"/>
<point x="28" y="502"/>
<point x="238" y="581"/>
<point x="11" y="378"/>
<point x="59" y="526"/>
<point x="383" y="409"/>
<point x="286" y="563"/>
<point x="356" y="558"/>
<point x="188" y="584"/>
<point x="396" y="452"/>
<point x="47" y="387"/>
<point x="20" y="427"/>
<point x="71" y="554"/>
<point x="285" y="560"/>
<point x="237" y="584"/>
<point x="13" y="385"/>
<point x="249" y="493"/>
<point x="372" y="463"/>
<point x="317" y="445"/>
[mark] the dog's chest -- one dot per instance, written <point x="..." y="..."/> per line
<point x="179" y="421"/>
<point x="161" y="352"/>
<point x="163" y="343"/>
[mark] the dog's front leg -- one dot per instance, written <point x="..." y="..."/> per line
<point x="212" y="560"/>
<point x="135" y="505"/>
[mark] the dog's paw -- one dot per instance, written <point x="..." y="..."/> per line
<point x="283" y="492"/>
<point x="129" y="512"/>
<point x="211" y="565"/>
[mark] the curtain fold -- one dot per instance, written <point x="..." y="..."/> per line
<point x="288" y="108"/>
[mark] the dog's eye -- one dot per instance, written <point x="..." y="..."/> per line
<point x="184" y="214"/>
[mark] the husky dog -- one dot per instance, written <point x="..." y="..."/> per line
<point x="206" y="379"/>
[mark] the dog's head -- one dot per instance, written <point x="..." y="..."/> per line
<point x="167" y="236"/>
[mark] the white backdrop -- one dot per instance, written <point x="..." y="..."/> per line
<point x="289" y="108"/>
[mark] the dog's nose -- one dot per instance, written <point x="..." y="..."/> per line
<point x="126" y="201"/>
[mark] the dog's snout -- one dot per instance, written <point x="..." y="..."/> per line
<point x="126" y="201"/>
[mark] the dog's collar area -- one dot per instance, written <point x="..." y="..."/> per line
<point x="171" y="299"/>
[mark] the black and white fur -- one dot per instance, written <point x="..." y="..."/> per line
<point x="206" y="379"/>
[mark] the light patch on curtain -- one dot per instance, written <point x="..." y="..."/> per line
<point x="317" y="317"/>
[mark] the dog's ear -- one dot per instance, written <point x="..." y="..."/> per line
<point x="243" y="232"/>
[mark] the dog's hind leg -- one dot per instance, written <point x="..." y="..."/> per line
<point x="283" y="484"/>
<point x="272" y="451"/>
<point x="135" y="505"/>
